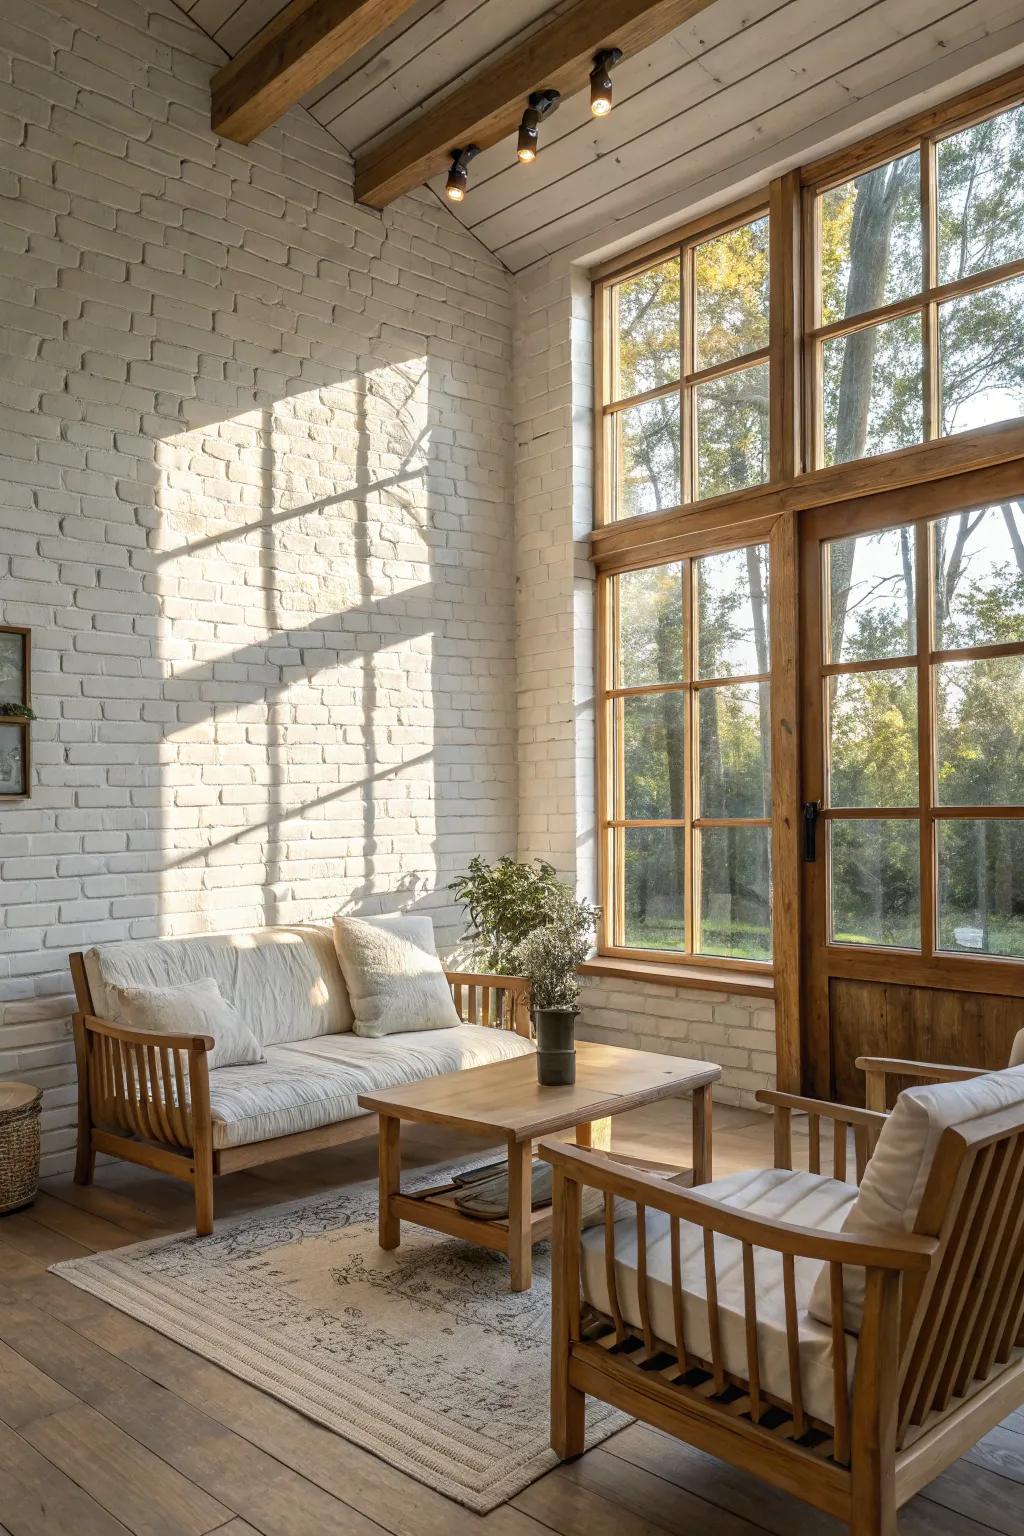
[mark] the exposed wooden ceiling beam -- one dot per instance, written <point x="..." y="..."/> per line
<point x="488" y="106"/>
<point x="305" y="43"/>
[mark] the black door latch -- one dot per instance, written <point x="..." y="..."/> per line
<point x="812" y="810"/>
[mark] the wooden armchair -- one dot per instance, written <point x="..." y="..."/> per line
<point x="145" y="1097"/>
<point x="938" y="1361"/>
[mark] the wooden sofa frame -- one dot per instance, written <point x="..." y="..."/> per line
<point x="940" y="1357"/>
<point x="145" y="1097"/>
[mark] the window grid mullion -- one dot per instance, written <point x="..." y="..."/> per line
<point x="690" y="788"/>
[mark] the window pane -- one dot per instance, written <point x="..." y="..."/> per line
<point x="735" y="887"/>
<point x="871" y="240"/>
<point x="653" y="918"/>
<point x="732" y="431"/>
<point x="652" y="730"/>
<point x="980" y="729"/>
<point x="734" y="733"/>
<point x="645" y="318"/>
<point x="979" y="577"/>
<point x="876" y="883"/>
<point x="981" y="196"/>
<point x="645" y="448"/>
<point x="982" y="366"/>
<point x="871" y="596"/>
<point x="731" y="294"/>
<point x="873" y="739"/>
<point x="651" y="626"/>
<point x="872" y="390"/>
<point x="981" y="887"/>
<point x="732" y="613"/>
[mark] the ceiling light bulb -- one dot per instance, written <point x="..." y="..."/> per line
<point x="526" y="149"/>
<point x="457" y="184"/>
<point x="601" y="81"/>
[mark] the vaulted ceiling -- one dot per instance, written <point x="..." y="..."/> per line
<point x="715" y="96"/>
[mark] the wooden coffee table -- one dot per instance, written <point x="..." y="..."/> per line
<point x="504" y="1102"/>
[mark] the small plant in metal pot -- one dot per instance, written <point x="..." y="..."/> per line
<point x="550" y="956"/>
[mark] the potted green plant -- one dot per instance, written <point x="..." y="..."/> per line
<point x="504" y="901"/>
<point x="550" y="957"/>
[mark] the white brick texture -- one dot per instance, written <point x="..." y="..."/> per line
<point x="255" y="503"/>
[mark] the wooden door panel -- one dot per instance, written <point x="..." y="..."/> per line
<point x="871" y="1018"/>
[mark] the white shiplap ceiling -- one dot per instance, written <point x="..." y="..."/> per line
<point x="717" y="95"/>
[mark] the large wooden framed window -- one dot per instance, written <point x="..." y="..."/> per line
<point x="683" y="370"/>
<point x="914" y="288"/>
<point x="921" y="747"/>
<point x="685" y="733"/>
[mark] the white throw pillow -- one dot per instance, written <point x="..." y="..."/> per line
<point x="394" y="978"/>
<point x="897" y="1173"/>
<point x="194" y="1008"/>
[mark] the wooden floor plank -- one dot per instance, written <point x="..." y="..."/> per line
<point x="93" y="1232"/>
<point x="228" y="1468"/>
<point x="983" y="1495"/>
<point x="1002" y="1451"/>
<point x="38" y="1500"/>
<point x="27" y="1393"/>
<point x="133" y="1484"/>
<point x="22" y="1233"/>
<point x="671" y="1507"/>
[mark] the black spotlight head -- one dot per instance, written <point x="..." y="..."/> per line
<point x="542" y="104"/>
<point x="457" y="184"/>
<point x="601" y="81"/>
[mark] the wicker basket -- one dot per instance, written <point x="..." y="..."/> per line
<point x="20" y="1107"/>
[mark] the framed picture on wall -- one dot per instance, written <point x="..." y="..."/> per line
<point x="15" y="712"/>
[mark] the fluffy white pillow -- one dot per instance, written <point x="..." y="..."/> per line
<point x="897" y="1173"/>
<point x="194" y="1008"/>
<point x="394" y="978"/>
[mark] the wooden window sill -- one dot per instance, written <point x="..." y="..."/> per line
<point x="747" y="983"/>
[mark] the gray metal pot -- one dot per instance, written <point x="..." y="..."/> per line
<point x="556" y="1048"/>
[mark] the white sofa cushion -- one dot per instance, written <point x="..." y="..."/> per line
<point x="803" y="1199"/>
<point x="284" y="982"/>
<point x="1017" y="1050"/>
<point x="317" y="1082"/>
<point x="393" y="974"/>
<point x="897" y="1173"/>
<point x="194" y="1008"/>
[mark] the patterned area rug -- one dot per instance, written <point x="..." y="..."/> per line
<point x="422" y="1356"/>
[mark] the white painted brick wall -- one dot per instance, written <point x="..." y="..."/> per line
<point x="255" y="502"/>
<point x="736" y="1031"/>
<point x="552" y="381"/>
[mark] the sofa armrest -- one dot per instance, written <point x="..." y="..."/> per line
<point x="144" y="1083"/>
<point x="501" y="1002"/>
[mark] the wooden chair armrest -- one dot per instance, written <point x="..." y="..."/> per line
<point x="144" y="1037"/>
<point x="867" y="1125"/>
<point x="828" y="1110"/>
<point x="877" y="1249"/>
<point x="877" y="1068"/>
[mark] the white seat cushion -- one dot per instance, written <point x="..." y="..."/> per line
<point x="284" y="982"/>
<point x="897" y="1173"/>
<point x="803" y="1199"/>
<point x="318" y="1082"/>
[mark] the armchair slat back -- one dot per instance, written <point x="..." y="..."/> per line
<point x="963" y="1320"/>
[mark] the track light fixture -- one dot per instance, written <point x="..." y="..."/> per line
<point x="458" y="177"/>
<point x="601" y="81"/>
<point x="542" y="104"/>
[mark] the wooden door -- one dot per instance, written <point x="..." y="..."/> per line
<point x="912" y="647"/>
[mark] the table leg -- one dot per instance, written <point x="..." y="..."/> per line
<point x="597" y="1135"/>
<point x="520" y="1206"/>
<point x="702" y="1103"/>
<point x="389" y="1166"/>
